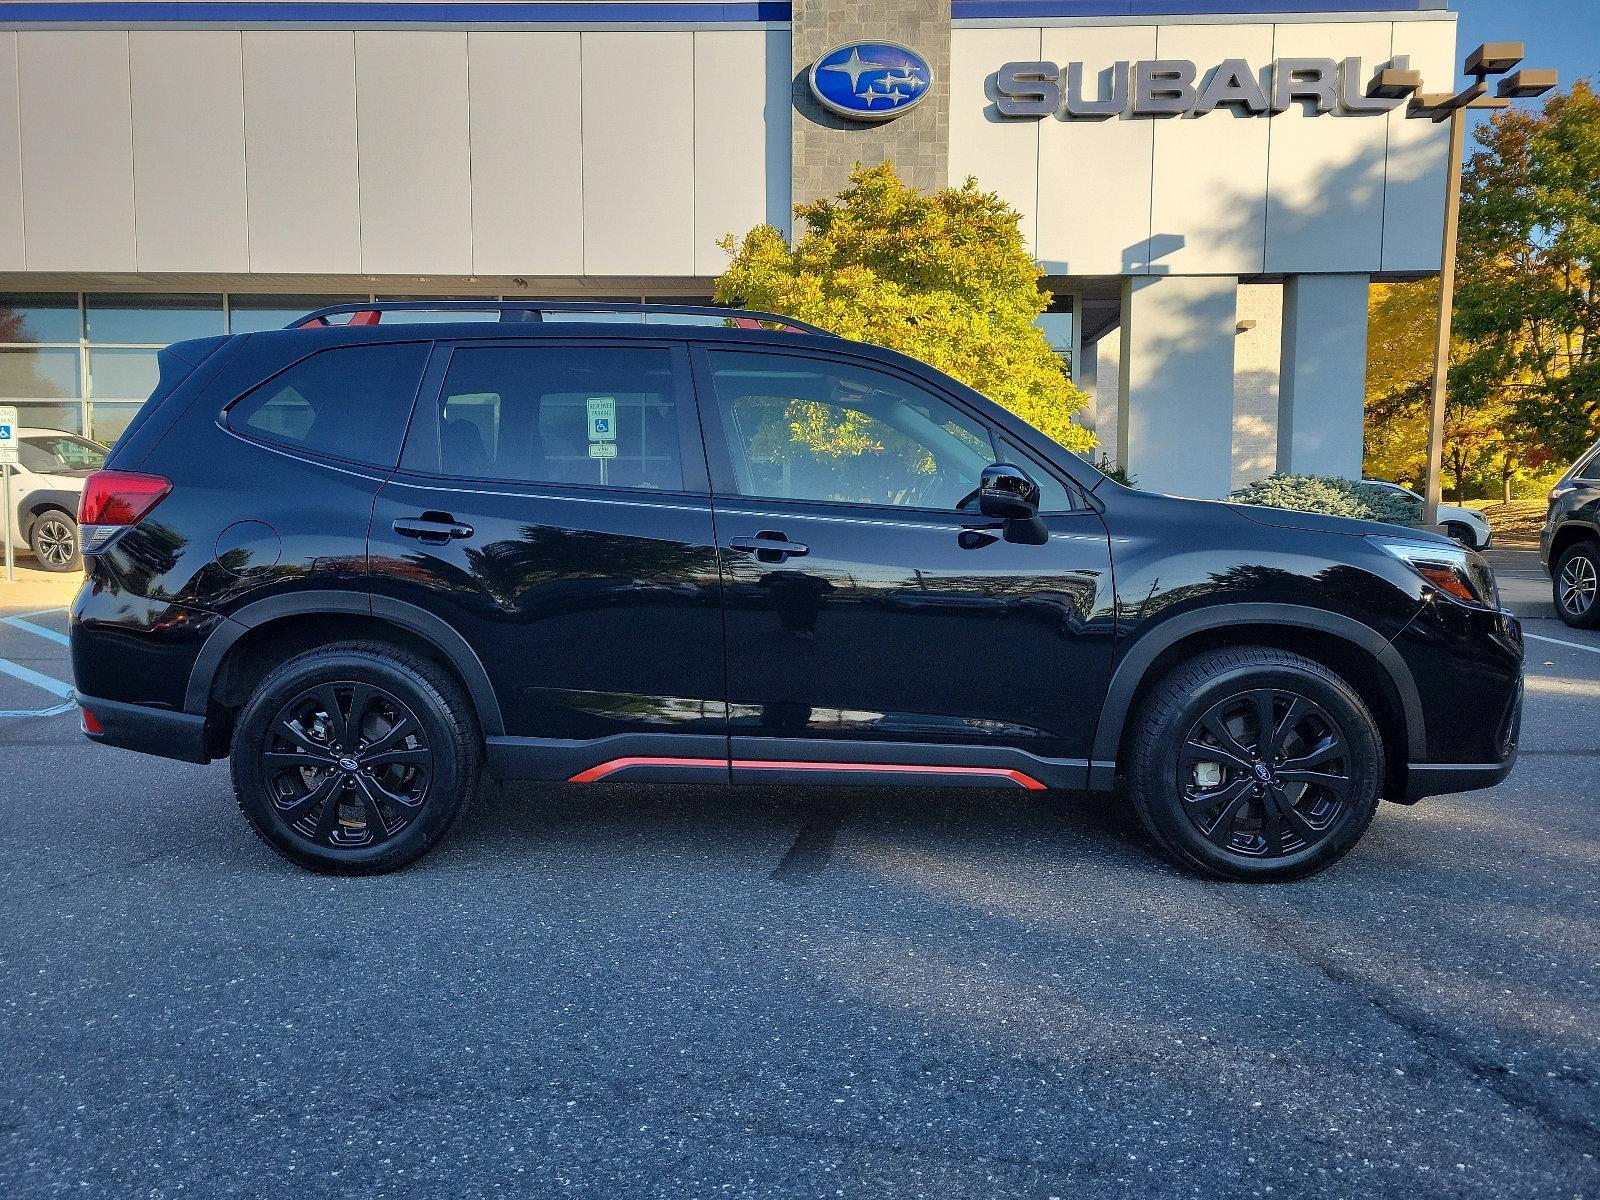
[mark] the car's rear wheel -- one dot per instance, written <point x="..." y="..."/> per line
<point x="1575" y="585"/>
<point x="355" y="759"/>
<point x="54" y="539"/>
<point x="1253" y="763"/>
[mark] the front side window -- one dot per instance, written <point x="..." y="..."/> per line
<point x="601" y="416"/>
<point x="348" y="402"/>
<point x="809" y="429"/>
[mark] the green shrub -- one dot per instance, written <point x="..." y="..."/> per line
<point x="1115" y="473"/>
<point x="1333" y="496"/>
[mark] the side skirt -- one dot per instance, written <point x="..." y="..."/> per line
<point x="698" y="758"/>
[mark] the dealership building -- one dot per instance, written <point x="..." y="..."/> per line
<point x="1209" y="186"/>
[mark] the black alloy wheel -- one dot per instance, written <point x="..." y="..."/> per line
<point x="54" y="538"/>
<point x="355" y="758"/>
<point x="347" y="764"/>
<point x="1263" y="773"/>
<point x="1254" y="763"/>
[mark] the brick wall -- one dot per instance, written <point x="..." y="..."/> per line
<point x="825" y="146"/>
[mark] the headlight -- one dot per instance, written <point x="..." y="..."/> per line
<point x="1457" y="572"/>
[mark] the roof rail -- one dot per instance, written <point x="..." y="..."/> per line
<point x="518" y="311"/>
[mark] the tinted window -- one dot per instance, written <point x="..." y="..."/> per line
<point x="809" y="429"/>
<point x="348" y="402"/>
<point x="600" y="415"/>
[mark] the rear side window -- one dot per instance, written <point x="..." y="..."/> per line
<point x="346" y="402"/>
<point x="599" y="416"/>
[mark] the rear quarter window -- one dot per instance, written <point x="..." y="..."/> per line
<point x="349" y="402"/>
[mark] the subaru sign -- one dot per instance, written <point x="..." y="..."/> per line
<point x="870" y="81"/>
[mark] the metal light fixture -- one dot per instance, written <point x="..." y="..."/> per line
<point x="1491" y="58"/>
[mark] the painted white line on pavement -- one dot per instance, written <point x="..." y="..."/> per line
<point x="26" y="626"/>
<point x="38" y="712"/>
<point x="1558" y="642"/>
<point x="17" y="671"/>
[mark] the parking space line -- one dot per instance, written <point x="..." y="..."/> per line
<point x="54" y="686"/>
<point x="27" y="626"/>
<point x="38" y="712"/>
<point x="1558" y="642"/>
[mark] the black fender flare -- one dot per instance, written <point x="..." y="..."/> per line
<point x="454" y="648"/>
<point x="66" y="501"/>
<point x="1136" y="661"/>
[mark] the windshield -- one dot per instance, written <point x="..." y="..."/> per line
<point x="50" y="454"/>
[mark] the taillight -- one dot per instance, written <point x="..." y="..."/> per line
<point x="113" y="500"/>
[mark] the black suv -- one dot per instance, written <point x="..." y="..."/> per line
<point x="1569" y="545"/>
<point x="368" y="557"/>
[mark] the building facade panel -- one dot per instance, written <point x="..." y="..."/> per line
<point x="638" y="153"/>
<point x="1094" y="174"/>
<point x="1209" y="174"/>
<point x="527" y="161"/>
<point x="413" y="152"/>
<point x="1325" y="195"/>
<point x="1002" y="155"/>
<point x="301" y="175"/>
<point x="1413" y="199"/>
<point x="188" y="150"/>
<point x="13" y="246"/>
<point x="741" y="151"/>
<point x="77" y="150"/>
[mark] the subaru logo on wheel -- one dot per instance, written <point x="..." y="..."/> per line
<point x="870" y="81"/>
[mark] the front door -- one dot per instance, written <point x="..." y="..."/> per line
<point x="873" y="615"/>
<point x="551" y="507"/>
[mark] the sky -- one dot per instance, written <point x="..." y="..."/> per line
<point x="1564" y="34"/>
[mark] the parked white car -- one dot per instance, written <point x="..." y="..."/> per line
<point x="1466" y="525"/>
<point x="45" y="486"/>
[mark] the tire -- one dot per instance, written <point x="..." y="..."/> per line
<point x="320" y="815"/>
<point x="53" y="537"/>
<point x="1575" y="586"/>
<point x="1209" y="810"/>
<point x="1458" y="532"/>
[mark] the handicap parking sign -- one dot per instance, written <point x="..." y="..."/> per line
<point x="602" y="418"/>
<point x="8" y="435"/>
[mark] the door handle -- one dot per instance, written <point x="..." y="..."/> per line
<point x="769" y="546"/>
<point x="434" y="528"/>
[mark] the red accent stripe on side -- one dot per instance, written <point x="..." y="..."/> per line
<point x="619" y="764"/>
<point x="1027" y="781"/>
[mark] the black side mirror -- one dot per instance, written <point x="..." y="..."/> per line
<point x="1008" y="493"/>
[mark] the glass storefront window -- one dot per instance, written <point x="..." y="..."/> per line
<point x="35" y="317"/>
<point x="155" y="319"/>
<point x="1057" y="326"/>
<point x="107" y="420"/>
<point x="42" y="414"/>
<point x="38" y="374"/>
<point x="122" y="374"/>
<point x="255" y="314"/>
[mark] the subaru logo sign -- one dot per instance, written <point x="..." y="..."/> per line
<point x="870" y="81"/>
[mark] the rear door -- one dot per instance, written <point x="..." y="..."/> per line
<point x="873" y="615"/>
<point x="552" y="508"/>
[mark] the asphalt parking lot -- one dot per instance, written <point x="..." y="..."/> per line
<point x="694" y="992"/>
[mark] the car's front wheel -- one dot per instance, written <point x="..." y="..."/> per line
<point x="54" y="538"/>
<point x="1253" y="763"/>
<point x="355" y="759"/>
<point x="1575" y="585"/>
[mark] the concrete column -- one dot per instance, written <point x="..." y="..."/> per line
<point x="1175" y="399"/>
<point x="1323" y="382"/>
<point x="1088" y="372"/>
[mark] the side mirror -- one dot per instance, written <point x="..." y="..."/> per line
<point x="1008" y="493"/>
